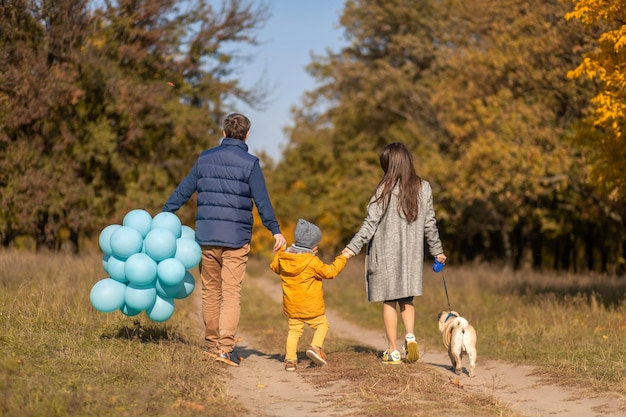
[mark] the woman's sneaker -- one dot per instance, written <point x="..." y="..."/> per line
<point x="392" y="357"/>
<point x="317" y="355"/>
<point x="410" y="348"/>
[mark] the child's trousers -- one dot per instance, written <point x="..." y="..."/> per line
<point x="296" y="326"/>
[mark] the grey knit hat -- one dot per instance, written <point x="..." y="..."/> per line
<point x="307" y="234"/>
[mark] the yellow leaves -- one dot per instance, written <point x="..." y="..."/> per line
<point x="615" y="37"/>
<point x="181" y="404"/>
<point x="588" y="68"/>
<point x="456" y="382"/>
<point x="592" y="11"/>
<point x="607" y="65"/>
<point x="299" y="185"/>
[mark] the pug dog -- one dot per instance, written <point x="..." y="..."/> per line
<point x="459" y="338"/>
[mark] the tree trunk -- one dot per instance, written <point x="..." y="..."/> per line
<point x="74" y="241"/>
<point x="589" y="247"/>
<point x="508" y="251"/>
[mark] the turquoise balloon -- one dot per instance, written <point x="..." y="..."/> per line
<point x="129" y="311"/>
<point x="140" y="269"/>
<point x="188" y="252"/>
<point x="107" y="295"/>
<point x="187" y="286"/>
<point x="115" y="268"/>
<point x="171" y="271"/>
<point x="187" y="233"/>
<point x="168" y="291"/>
<point x="105" y="238"/>
<point x="139" y="220"/>
<point x="126" y="241"/>
<point x="169" y="221"/>
<point x="162" y="309"/>
<point x="160" y="244"/>
<point x="139" y="298"/>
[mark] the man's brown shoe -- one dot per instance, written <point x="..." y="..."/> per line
<point x="212" y="352"/>
<point x="229" y="358"/>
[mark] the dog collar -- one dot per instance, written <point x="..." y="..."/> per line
<point x="450" y="315"/>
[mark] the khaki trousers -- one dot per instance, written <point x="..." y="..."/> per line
<point x="222" y="271"/>
<point x="296" y="328"/>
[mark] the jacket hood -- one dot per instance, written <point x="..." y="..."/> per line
<point x="293" y="263"/>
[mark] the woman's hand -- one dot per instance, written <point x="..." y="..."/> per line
<point x="347" y="253"/>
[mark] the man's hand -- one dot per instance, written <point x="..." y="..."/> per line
<point x="279" y="241"/>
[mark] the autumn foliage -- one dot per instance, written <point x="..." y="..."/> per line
<point x="480" y="92"/>
<point x="514" y="111"/>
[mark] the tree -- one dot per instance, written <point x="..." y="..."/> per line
<point x="105" y="110"/>
<point x="369" y="95"/>
<point x="40" y="190"/>
<point x="505" y="105"/>
<point x="606" y="64"/>
<point x="479" y="92"/>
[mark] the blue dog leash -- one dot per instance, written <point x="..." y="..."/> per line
<point x="438" y="267"/>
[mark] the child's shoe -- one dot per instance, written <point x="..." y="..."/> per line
<point x="410" y="348"/>
<point x="392" y="358"/>
<point x="317" y="355"/>
<point x="290" y="365"/>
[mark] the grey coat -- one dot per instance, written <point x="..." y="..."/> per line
<point x="395" y="248"/>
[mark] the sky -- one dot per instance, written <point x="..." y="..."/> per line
<point x="295" y="29"/>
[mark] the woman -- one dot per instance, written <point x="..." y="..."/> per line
<point x="400" y="215"/>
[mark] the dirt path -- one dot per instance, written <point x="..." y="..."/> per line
<point x="262" y="384"/>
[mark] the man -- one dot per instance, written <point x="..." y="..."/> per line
<point x="228" y="181"/>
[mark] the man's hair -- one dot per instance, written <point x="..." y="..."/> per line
<point x="236" y="126"/>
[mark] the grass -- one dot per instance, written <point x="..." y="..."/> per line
<point x="360" y="381"/>
<point x="571" y="326"/>
<point x="61" y="357"/>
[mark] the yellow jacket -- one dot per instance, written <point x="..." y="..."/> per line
<point x="301" y="276"/>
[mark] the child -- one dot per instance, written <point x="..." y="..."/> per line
<point x="301" y="273"/>
<point x="400" y="216"/>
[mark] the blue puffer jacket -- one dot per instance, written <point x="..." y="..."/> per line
<point x="228" y="180"/>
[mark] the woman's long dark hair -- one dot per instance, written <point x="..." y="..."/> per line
<point x="397" y="164"/>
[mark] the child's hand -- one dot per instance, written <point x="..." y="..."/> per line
<point x="347" y="253"/>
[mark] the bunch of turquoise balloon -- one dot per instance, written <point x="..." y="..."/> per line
<point x="147" y="260"/>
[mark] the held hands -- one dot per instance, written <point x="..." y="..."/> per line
<point x="347" y="253"/>
<point x="279" y="242"/>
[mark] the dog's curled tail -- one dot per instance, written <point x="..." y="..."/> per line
<point x="458" y="323"/>
<point x="461" y="323"/>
